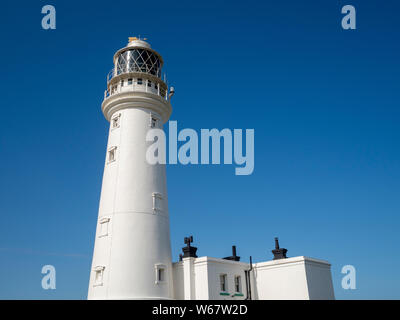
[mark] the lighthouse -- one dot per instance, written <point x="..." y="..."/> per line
<point x="132" y="251"/>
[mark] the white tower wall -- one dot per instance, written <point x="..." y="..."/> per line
<point x="132" y="253"/>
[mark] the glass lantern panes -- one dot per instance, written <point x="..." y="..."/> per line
<point x="139" y="60"/>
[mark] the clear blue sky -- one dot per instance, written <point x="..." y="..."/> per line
<point x="324" y="104"/>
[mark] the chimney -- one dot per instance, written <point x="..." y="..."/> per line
<point x="189" y="251"/>
<point x="279" y="253"/>
<point x="233" y="257"/>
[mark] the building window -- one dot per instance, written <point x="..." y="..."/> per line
<point x="157" y="199"/>
<point x="238" y="284"/>
<point x="122" y="83"/>
<point x="149" y="83"/>
<point x="115" y="121"/>
<point x="222" y="282"/>
<point x="112" y="153"/>
<point x="160" y="273"/>
<point x="98" y="275"/>
<point x="130" y="81"/>
<point x="139" y="81"/>
<point x="156" y="86"/>
<point x="103" y="231"/>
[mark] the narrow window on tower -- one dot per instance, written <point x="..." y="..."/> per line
<point x="156" y="86"/>
<point x="153" y="121"/>
<point x="112" y="153"/>
<point x="103" y="231"/>
<point x="129" y="81"/>
<point x="139" y="81"/>
<point x="238" y="284"/>
<point x="98" y="275"/>
<point x="157" y="202"/>
<point x="161" y="275"/>
<point x="115" y="121"/>
<point x="160" y="270"/>
<point x="122" y="83"/>
<point x="222" y="282"/>
<point x="149" y="83"/>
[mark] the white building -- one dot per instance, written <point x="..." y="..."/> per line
<point x="132" y="252"/>
<point x="294" y="278"/>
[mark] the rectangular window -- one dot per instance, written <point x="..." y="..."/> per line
<point x="129" y="81"/>
<point x="153" y="122"/>
<point x="139" y="81"/>
<point x="156" y="86"/>
<point x="149" y="83"/>
<point x="122" y="83"/>
<point x="160" y="273"/>
<point x="157" y="199"/>
<point x="222" y="281"/>
<point x="238" y="284"/>
<point x="112" y="152"/>
<point x="98" y="275"/>
<point x="103" y="231"/>
<point x="115" y="121"/>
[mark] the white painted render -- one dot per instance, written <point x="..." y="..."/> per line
<point x="298" y="278"/>
<point x="295" y="278"/>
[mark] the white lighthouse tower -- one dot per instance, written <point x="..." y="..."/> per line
<point x="132" y="252"/>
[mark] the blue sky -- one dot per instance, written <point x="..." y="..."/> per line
<point x="324" y="104"/>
